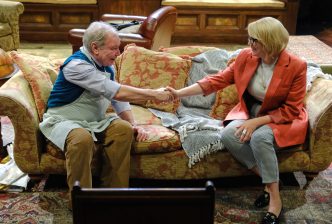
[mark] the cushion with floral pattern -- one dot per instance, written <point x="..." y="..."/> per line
<point x="226" y="99"/>
<point x="35" y="70"/>
<point x="143" y="68"/>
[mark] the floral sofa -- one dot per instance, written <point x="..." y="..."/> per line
<point x="161" y="156"/>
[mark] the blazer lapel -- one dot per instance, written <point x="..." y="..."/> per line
<point x="248" y="72"/>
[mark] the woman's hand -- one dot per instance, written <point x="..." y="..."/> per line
<point x="162" y="94"/>
<point x="246" y="129"/>
<point x="141" y="134"/>
<point x="173" y="92"/>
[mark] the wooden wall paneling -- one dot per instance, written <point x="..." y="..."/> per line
<point x="51" y="22"/>
<point x="129" y="7"/>
<point x="290" y="15"/>
<point x="225" y="24"/>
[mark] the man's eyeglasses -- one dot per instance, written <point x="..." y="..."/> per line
<point x="252" y="40"/>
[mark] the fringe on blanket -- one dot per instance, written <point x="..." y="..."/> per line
<point x="204" y="151"/>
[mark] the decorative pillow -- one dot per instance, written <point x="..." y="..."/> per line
<point x="143" y="68"/>
<point x="53" y="72"/>
<point x="187" y="50"/>
<point x="35" y="72"/>
<point x="226" y="99"/>
<point x="42" y="63"/>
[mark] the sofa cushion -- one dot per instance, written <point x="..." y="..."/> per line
<point x="226" y="99"/>
<point x="5" y="29"/>
<point x="144" y="68"/>
<point x="7" y="43"/>
<point x="35" y="70"/>
<point x="144" y="116"/>
<point x="160" y="139"/>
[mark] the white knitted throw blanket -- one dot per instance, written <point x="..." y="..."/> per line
<point x="199" y="135"/>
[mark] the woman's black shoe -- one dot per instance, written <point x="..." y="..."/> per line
<point x="263" y="200"/>
<point x="271" y="218"/>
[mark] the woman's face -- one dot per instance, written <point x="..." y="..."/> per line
<point x="256" y="47"/>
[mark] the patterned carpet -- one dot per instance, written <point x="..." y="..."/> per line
<point x="310" y="204"/>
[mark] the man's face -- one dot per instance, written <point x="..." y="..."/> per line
<point x="107" y="54"/>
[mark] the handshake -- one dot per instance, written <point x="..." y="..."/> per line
<point x="166" y="94"/>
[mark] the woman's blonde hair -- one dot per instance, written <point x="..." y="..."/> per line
<point x="270" y="33"/>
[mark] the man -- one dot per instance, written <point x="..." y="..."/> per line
<point x="76" y="115"/>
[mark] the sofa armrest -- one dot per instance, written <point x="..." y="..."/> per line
<point x="110" y="17"/>
<point x="318" y="103"/>
<point x="9" y="13"/>
<point x="10" y="10"/>
<point x="139" y="40"/>
<point x="75" y="39"/>
<point x="18" y="104"/>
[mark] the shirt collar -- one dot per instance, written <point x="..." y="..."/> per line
<point x="87" y="53"/>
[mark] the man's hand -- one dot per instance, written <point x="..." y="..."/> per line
<point x="162" y="94"/>
<point x="141" y="134"/>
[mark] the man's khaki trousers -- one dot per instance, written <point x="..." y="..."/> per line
<point x="115" y="155"/>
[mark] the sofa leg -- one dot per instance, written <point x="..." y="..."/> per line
<point x="310" y="176"/>
<point x="37" y="182"/>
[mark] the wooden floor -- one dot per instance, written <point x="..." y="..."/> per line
<point x="63" y="49"/>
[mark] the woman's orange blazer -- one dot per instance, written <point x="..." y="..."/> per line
<point x="283" y="100"/>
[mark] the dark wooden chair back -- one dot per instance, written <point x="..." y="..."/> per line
<point x="144" y="205"/>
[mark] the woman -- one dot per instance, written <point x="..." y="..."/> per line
<point x="271" y="84"/>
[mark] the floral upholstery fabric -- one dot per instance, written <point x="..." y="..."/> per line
<point x="174" y="165"/>
<point x="9" y="24"/>
<point x="160" y="139"/>
<point x="144" y="68"/>
<point x="36" y="74"/>
<point x="17" y="102"/>
<point x="143" y="116"/>
<point x="7" y="41"/>
<point x="226" y="99"/>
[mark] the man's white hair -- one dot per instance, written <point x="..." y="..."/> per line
<point x="96" y="32"/>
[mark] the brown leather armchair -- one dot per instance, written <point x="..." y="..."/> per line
<point x="155" y="31"/>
